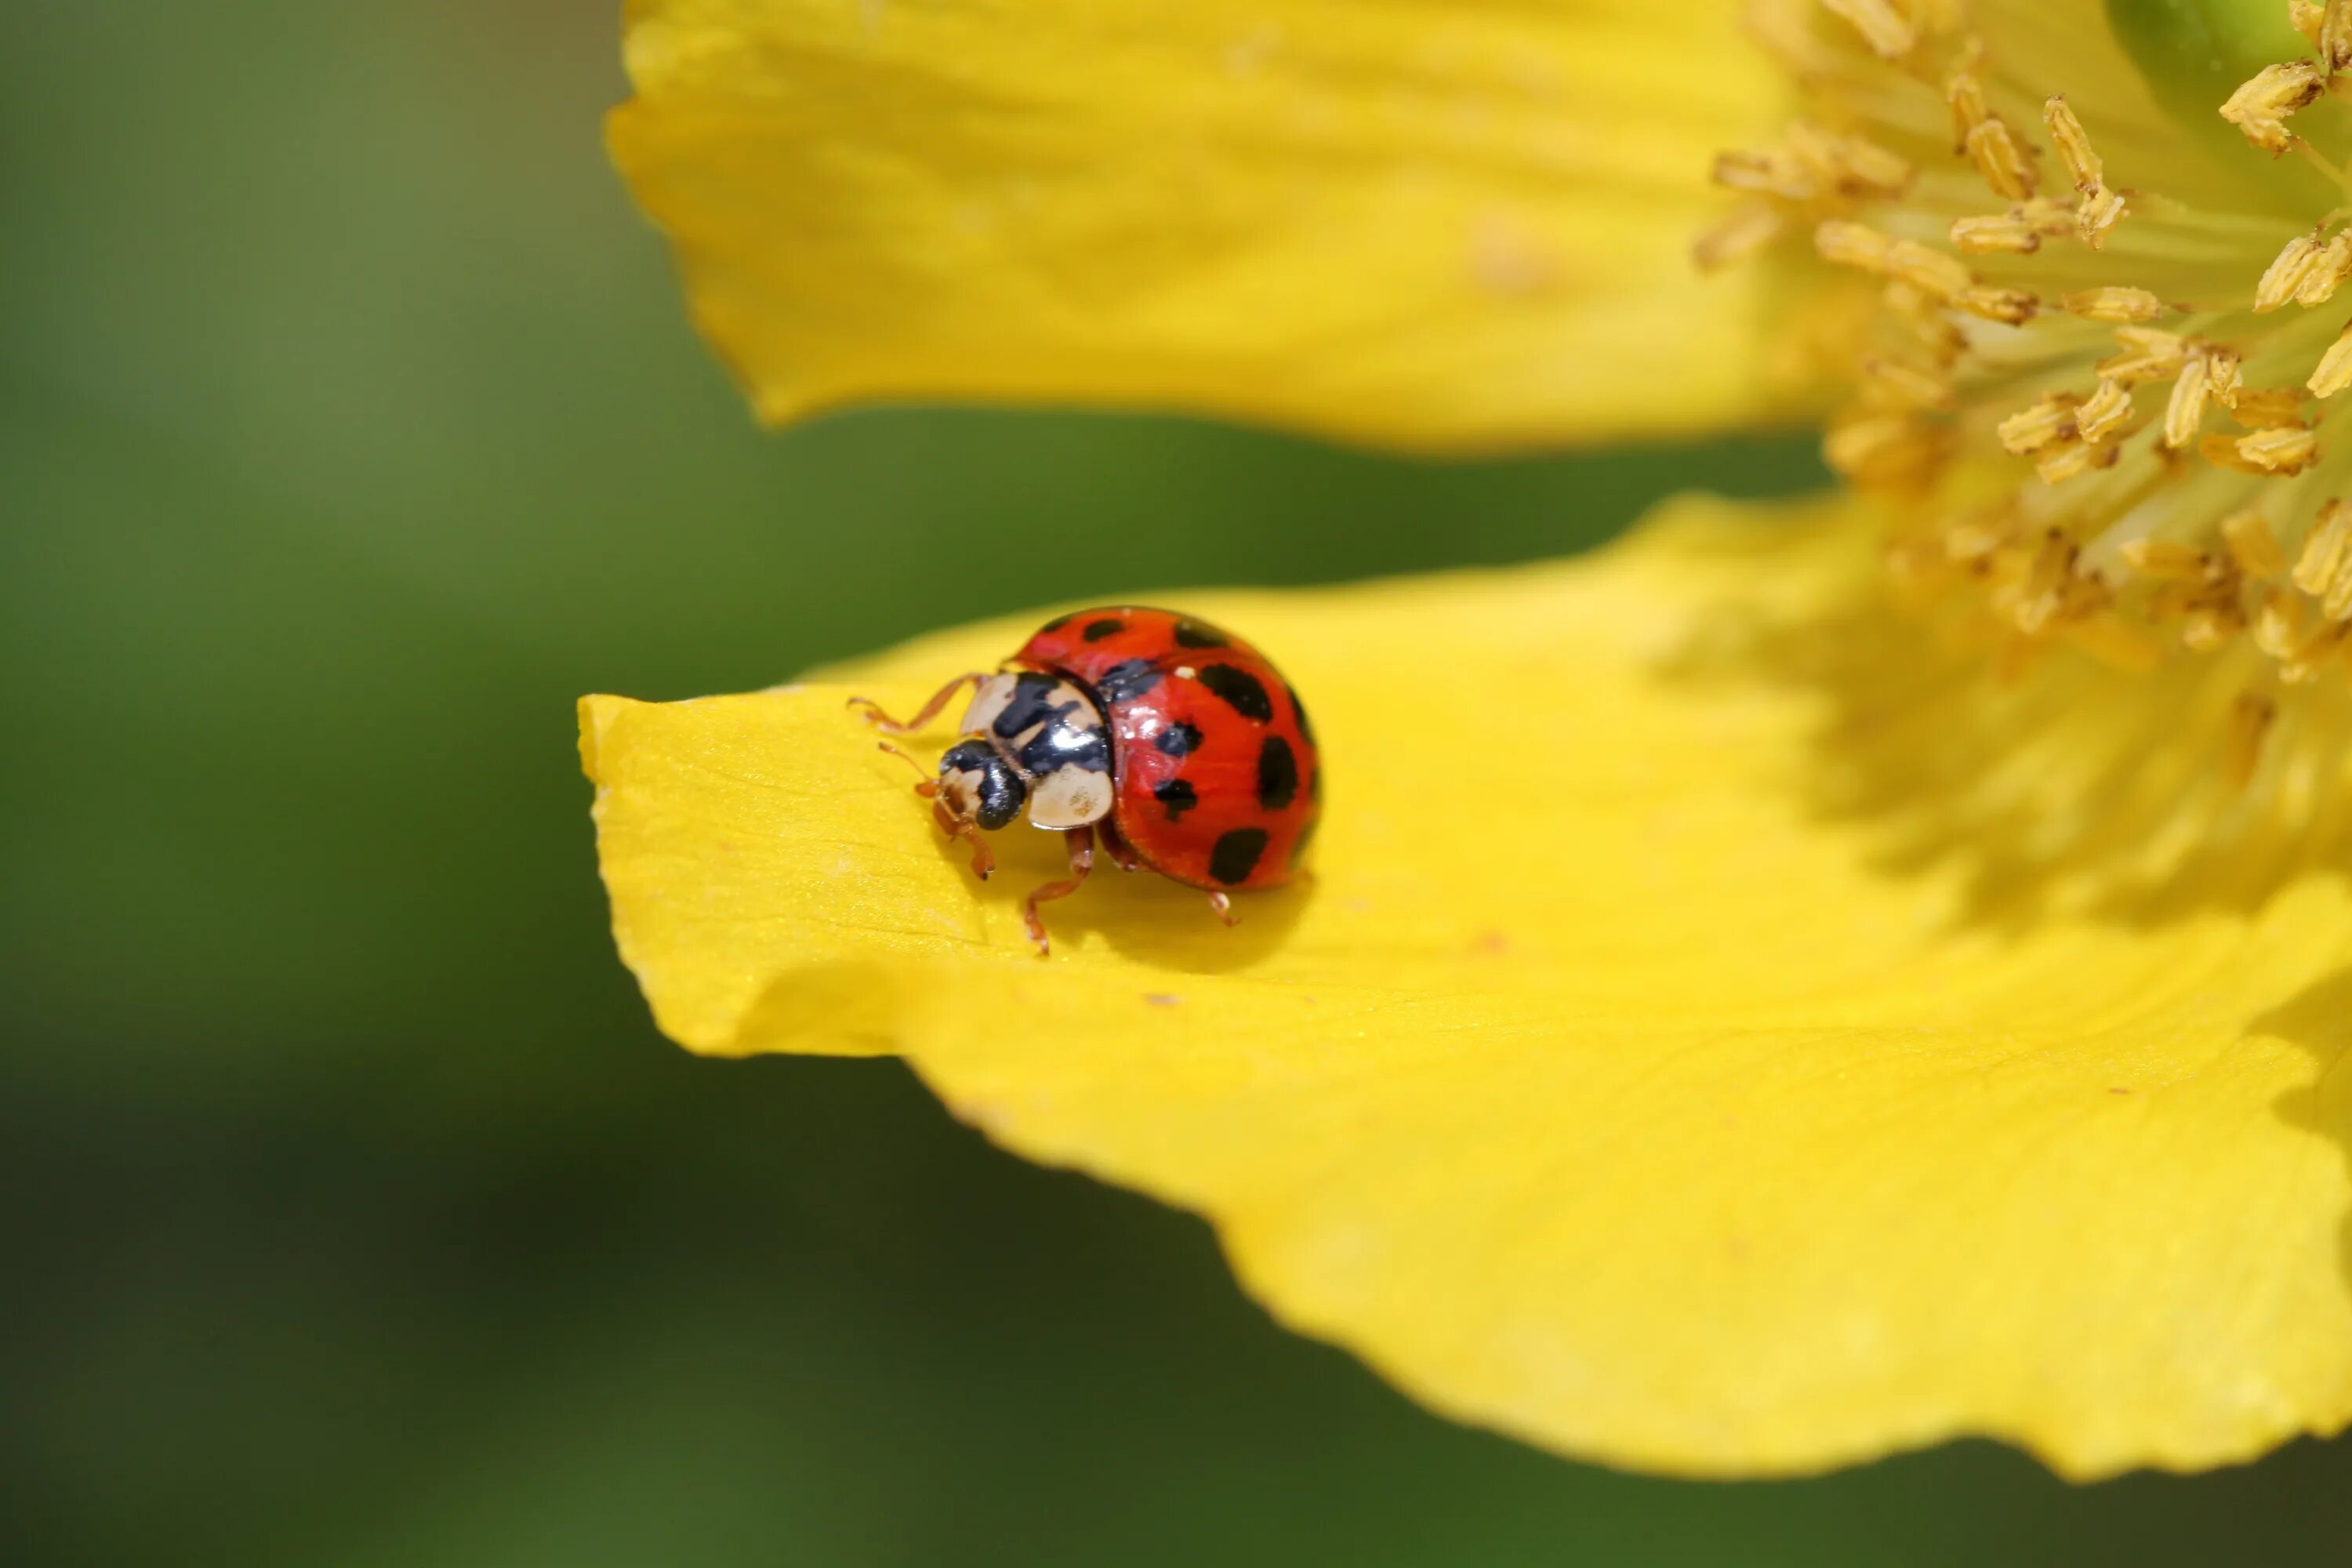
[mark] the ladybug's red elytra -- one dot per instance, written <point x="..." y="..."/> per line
<point x="1182" y="747"/>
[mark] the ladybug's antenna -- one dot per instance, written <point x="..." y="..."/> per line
<point x="929" y="786"/>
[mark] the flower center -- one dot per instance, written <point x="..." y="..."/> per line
<point x="2089" y="337"/>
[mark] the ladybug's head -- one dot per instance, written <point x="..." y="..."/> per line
<point x="979" y="786"/>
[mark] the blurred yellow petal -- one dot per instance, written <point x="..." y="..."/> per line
<point x="1700" y="1048"/>
<point x="1430" y="224"/>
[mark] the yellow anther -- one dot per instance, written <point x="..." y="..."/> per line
<point x="2022" y="229"/>
<point x="2260" y="106"/>
<point x="2270" y="408"/>
<point x="2335" y="371"/>
<point x="2222" y="367"/>
<point x="2015" y="307"/>
<point x="2051" y="220"/>
<point x="2113" y="304"/>
<point x="2210" y="625"/>
<point x="2148" y="355"/>
<point x="2207" y="570"/>
<point x="2278" y="623"/>
<point x="2286" y="274"/>
<point x="2050" y="418"/>
<point x="2096" y="217"/>
<point x="2168" y="559"/>
<point x="2074" y="145"/>
<point x="2250" y="717"/>
<point x="2065" y="459"/>
<point x="1978" y="538"/>
<point x="2105" y="412"/>
<point x="2051" y="589"/>
<point x="2153" y="341"/>
<point x="2324" y="549"/>
<point x="1926" y="268"/>
<point x="2304" y="17"/>
<point x="2252" y="544"/>
<point x="2184" y="411"/>
<point x="1736" y="235"/>
<point x="1853" y="245"/>
<point x="1904" y="386"/>
<point x="2326" y="570"/>
<point x="1925" y="322"/>
<point x="2284" y="451"/>
<point x="2309" y="661"/>
<point x="1884" y="451"/>
<point x="1771" y="172"/>
<point x="2010" y="232"/>
<point x="2335" y="36"/>
<point x="1998" y="158"/>
<point x="2054" y="562"/>
<point x="1849" y="165"/>
<point x="2222" y="451"/>
<point x="1885" y="29"/>
<point x="2327" y="272"/>
<point x="1963" y="91"/>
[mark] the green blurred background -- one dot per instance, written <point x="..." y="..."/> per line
<point x="356" y="1215"/>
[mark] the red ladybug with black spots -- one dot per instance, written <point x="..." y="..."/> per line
<point x="1180" y="746"/>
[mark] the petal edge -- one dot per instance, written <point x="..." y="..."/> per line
<point x="1435" y="227"/>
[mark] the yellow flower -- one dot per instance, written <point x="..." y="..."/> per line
<point x="1773" y="992"/>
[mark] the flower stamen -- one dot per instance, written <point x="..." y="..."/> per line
<point x="2005" y="334"/>
<point x="1882" y="27"/>
<point x="2261" y="107"/>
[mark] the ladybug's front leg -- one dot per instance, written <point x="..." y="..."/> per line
<point x="983" y="860"/>
<point x="1081" y="841"/>
<point x="1122" y="855"/>
<point x="1221" y="906"/>
<point x="930" y="710"/>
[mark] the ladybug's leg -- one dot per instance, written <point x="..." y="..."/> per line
<point x="1122" y="855"/>
<point x="983" y="860"/>
<point x="1081" y="841"/>
<point x="1221" y="906"/>
<point x="930" y="787"/>
<point x="929" y="710"/>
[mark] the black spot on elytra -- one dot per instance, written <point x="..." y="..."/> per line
<point x="1094" y="631"/>
<point x="1298" y="709"/>
<point x="1124" y="682"/>
<point x="1194" y="633"/>
<point x="1177" y="795"/>
<point x="1243" y="691"/>
<point x="1235" y="855"/>
<point x="1178" y="739"/>
<point x="1056" y="624"/>
<point x="1278" y="774"/>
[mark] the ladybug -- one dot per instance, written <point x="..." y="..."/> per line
<point x="1181" y="747"/>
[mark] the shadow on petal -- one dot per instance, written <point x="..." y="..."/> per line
<point x="2068" y="789"/>
<point x="2068" y="792"/>
<point x="1143" y="917"/>
<point x="2319" y="1019"/>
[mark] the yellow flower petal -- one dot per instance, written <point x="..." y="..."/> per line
<point x="1431" y="224"/>
<point x="1678" y="1059"/>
